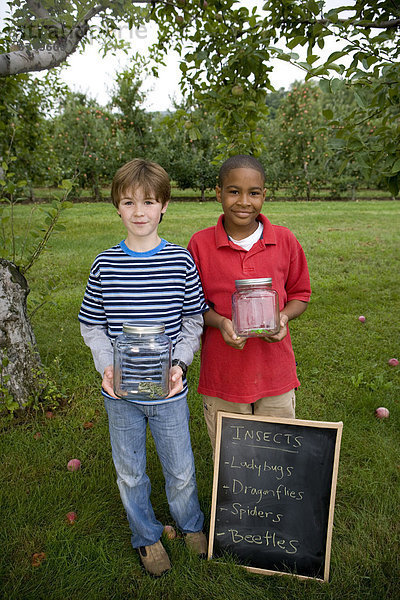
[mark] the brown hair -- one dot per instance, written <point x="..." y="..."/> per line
<point x="149" y="176"/>
<point x="239" y="161"/>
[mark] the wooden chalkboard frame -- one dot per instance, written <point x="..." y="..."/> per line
<point x="338" y="426"/>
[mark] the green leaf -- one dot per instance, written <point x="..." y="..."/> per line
<point x="343" y="165"/>
<point x="296" y="41"/>
<point x="336" y="84"/>
<point x="333" y="15"/>
<point x="311" y="58"/>
<point x="325" y="86"/>
<point x="66" y="204"/>
<point x="328" y="114"/>
<point x="334" y="56"/>
<point x="305" y="65"/>
<point x="396" y="166"/>
<point x="338" y="68"/>
<point x="314" y="7"/>
<point x="285" y="57"/>
<point x="355" y="143"/>
<point x="393" y="185"/>
<point x="66" y="184"/>
<point x="360" y="100"/>
<point x="336" y="143"/>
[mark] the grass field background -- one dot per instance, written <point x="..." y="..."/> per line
<point x="354" y="261"/>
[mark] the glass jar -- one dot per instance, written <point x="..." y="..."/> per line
<point x="142" y="360"/>
<point x="255" y="308"/>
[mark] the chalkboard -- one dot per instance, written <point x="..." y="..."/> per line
<point x="274" y="493"/>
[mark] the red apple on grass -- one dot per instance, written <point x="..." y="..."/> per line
<point x="382" y="413"/>
<point x="169" y="532"/>
<point x="71" y="517"/>
<point x="74" y="464"/>
<point x="393" y="362"/>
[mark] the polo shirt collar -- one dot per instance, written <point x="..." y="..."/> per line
<point x="221" y="237"/>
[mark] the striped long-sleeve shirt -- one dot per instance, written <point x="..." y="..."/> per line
<point x="162" y="285"/>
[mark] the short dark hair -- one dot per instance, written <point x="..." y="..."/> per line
<point x="141" y="173"/>
<point x="239" y="161"/>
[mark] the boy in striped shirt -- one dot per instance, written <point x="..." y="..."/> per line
<point x="145" y="277"/>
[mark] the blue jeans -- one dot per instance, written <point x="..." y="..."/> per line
<point x="169" y="425"/>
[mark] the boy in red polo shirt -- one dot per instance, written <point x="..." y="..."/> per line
<point x="255" y="375"/>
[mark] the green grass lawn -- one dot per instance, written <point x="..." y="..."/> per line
<point x="352" y="250"/>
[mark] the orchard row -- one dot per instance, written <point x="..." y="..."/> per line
<point x="50" y="134"/>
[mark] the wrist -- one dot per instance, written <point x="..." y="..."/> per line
<point x="179" y="363"/>
<point x="221" y="323"/>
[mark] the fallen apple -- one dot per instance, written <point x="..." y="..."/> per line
<point x="74" y="464"/>
<point x="393" y="362"/>
<point x="71" y="517"/>
<point x="361" y="318"/>
<point x="169" y="532"/>
<point x="37" y="559"/>
<point x="382" y="413"/>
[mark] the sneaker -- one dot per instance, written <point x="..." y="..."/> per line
<point x="154" y="559"/>
<point x="197" y="542"/>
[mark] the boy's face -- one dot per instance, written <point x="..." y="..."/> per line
<point x="140" y="213"/>
<point x="242" y="195"/>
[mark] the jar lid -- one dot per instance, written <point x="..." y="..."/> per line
<point x="143" y="327"/>
<point x="253" y="282"/>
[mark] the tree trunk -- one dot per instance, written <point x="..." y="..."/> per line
<point x="19" y="358"/>
<point x="96" y="191"/>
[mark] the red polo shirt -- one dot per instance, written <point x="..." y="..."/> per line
<point x="261" y="369"/>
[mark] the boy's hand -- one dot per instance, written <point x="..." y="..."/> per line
<point x="282" y="333"/>
<point x="229" y="335"/>
<point x="214" y="319"/>
<point x="108" y="381"/>
<point x="175" y="381"/>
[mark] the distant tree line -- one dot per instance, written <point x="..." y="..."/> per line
<point x="50" y="134"/>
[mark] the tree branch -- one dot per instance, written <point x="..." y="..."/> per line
<point x="40" y="12"/>
<point x="392" y="24"/>
<point x="24" y="61"/>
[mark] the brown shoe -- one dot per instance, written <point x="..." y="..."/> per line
<point x="154" y="559"/>
<point x="197" y="542"/>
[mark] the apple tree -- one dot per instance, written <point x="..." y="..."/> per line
<point x="295" y="151"/>
<point x="227" y="60"/>
<point x="24" y="106"/>
<point x="132" y="133"/>
<point x="81" y="134"/>
<point x="187" y="152"/>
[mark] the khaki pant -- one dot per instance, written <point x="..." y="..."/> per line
<point x="272" y="406"/>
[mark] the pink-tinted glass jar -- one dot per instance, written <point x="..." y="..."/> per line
<point x="255" y="308"/>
